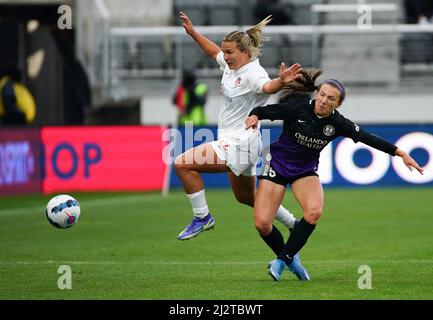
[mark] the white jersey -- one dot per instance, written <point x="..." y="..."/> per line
<point x="241" y="91"/>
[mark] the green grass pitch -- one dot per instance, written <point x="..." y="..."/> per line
<point x="125" y="247"/>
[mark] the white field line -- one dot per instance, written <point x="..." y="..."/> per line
<point x="174" y="263"/>
<point x="87" y="203"/>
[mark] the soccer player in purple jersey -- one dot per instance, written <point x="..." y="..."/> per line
<point x="309" y="126"/>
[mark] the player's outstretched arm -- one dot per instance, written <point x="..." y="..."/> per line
<point x="372" y="140"/>
<point x="272" y="112"/>
<point x="286" y="75"/>
<point x="409" y="161"/>
<point x="208" y="46"/>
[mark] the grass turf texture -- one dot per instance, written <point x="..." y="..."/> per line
<point x="125" y="247"/>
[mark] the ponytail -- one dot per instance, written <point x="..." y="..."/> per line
<point x="256" y="36"/>
<point x="302" y="85"/>
<point x="251" y="40"/>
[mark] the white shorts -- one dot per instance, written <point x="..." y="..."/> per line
<point x="240" y="153"/>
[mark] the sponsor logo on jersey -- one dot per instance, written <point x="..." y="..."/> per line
<point x="309" y="142"/>
<point x="223" y="93"/>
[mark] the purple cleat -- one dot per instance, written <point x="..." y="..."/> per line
<point x="197" y="225"/>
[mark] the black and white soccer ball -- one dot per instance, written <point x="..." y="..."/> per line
<point x="63" y="211"/>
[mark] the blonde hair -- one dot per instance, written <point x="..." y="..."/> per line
<point x="250" y="40"/>
<point x="306" y="83"/>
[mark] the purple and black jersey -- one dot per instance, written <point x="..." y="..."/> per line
<point x="304" y="135"/>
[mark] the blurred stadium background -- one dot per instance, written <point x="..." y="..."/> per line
<point x="103" y="91"/>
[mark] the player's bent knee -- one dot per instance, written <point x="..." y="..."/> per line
<point x="312" y="216"/>
<point x="178" y="167"/>
<point x="263" y="227"/>
<point x="179" y="164"/>
<point x="245" y="200"/>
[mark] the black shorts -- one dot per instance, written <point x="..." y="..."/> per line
<point x="271" y="175"/>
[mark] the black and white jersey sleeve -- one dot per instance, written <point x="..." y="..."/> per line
<point x="357" y="134"/>
<point x="280" y="111"/>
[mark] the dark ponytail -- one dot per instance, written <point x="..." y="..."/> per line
<point x="302" y="85"/>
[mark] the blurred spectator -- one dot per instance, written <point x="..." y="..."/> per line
<point x="419" y="11"/>
<point x="190" y="99"/>
<point x="417" y="47"/>
<point x="264" y="8"/>
<point x="77" y="99"/>
<point x="17" y="105"/>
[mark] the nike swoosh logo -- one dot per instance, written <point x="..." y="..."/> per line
<point x="301" y="121"/>
<point x="70" y="218"/>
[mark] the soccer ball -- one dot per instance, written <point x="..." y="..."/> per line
<point x="63" y="211"/>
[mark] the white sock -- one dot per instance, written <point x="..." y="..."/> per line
<point x="285" y="217"/>
<point x="198" y="204"/>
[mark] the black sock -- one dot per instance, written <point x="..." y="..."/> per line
<point x="274" y="240"/>
<point x="297" y="239"/>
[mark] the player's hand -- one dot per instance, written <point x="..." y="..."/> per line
<point x="252" y="122"/>
<point x="410" y="162"/>
<point x="186" y="23"/>
<point x="289" y="74"/>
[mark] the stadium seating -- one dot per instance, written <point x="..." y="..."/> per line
<point x="136" y="13"/>
<point x="206" y="12"/>
<point x="356" y="58"/>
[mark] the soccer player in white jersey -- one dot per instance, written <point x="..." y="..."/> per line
<point x="245" y="85"/>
